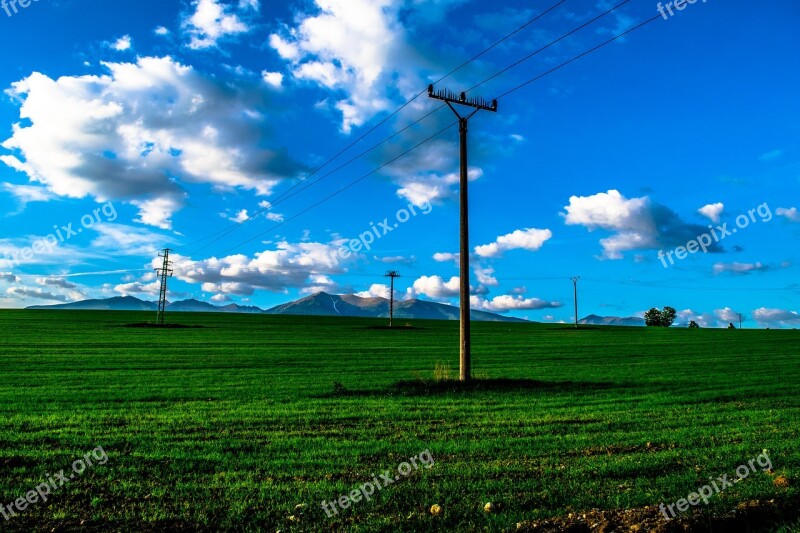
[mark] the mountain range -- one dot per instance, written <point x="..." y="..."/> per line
<point x="323" y="304"/>
<point x="129" y="303"/>
<point x="318" y="304"/>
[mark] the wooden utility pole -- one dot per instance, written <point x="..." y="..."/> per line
<point x="164" y="272"/>
<point x="575" y="290"/>
<point x="477" y="104"/>
<point x="391" y="274"/>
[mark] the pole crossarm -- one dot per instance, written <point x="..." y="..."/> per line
<point x="461" y="99"/>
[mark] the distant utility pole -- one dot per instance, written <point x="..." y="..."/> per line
<point x="477" y="104"/>
<point x="740" y="320"/>
<point x="575" y="290"/>
<point x="164" y="272"/>
<point x="391" y="274"/>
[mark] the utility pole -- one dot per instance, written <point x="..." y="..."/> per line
<point x="477" y="104"/>
<point x="391" y="274"/>
<point x="575" y="290"/>
<point x="164" y="272"/>
<point x="740" y="320"/>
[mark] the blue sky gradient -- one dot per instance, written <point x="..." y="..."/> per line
<point x="168" y="123"/>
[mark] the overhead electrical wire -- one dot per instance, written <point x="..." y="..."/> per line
<point x="654" y="285"/>
<point x="528" y="82"/>
<point x="548" y="45"/>
<point x="341" y="190"/>
<point x="453" y="71"/>
<point x="288" y="193"/>
<point x="314" y="182"/>
<point x="579" y="56"/>
<point x="226" y="231"/>
<point x="502" y="95"/>
<point x="657" y="285"/>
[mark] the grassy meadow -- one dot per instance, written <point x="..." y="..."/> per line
<point x="250" y="422"/>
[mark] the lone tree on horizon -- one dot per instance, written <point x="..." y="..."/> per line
<point x="662" y="319"/>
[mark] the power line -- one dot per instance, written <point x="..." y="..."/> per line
<point x="339" y="191"/>
<point x="437" y="109"/>
<point x="415" y="97"/>
<point x="378" y="125"/>
<point x="285" y="196"/>
<point x="315" y="171"/>
<point x="503" y="71"/>
<point x="654" y="285"/>
<point x="584" y="54"/>
<point x="675" y="287"/>
<point x="507" y="93"/>
<point x="497" y="43"/>
<point x="552" y="43"/>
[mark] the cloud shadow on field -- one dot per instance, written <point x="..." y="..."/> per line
<point x="420" y="387"/>
<point x="391" y="328"/>
<point x="148" y="325"/>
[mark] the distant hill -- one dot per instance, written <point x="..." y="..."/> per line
<point x="118" y="303"/>
<point x="193" y="306"/>
<point x="319" y="304"/>
<point x="323" y="304"/>
<point x="236" y="308"/>
<point x="595" y="320"/>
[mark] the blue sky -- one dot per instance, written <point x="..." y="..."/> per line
<point x="129" y="127"/>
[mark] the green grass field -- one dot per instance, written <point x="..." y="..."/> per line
<point x="233" y="425"/>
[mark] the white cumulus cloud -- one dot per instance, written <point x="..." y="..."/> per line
<point x="140" y="131"/>
<point x="446" y="257"/>
<point x="434" y="287"/>
<point x="377" y="290"/>
<point x="347" y="45"/>
<point x="713" y="212"/>
<point x="213" y="20"/>
<point x="122" y="44"/>
<point x="506" y="302"/>
<point x="767" y="317"/>
<point x="306" y="266"/>
<point x="530" y="239"/>
<point x="636" y="223"/>
<point x="273" y="79"/>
